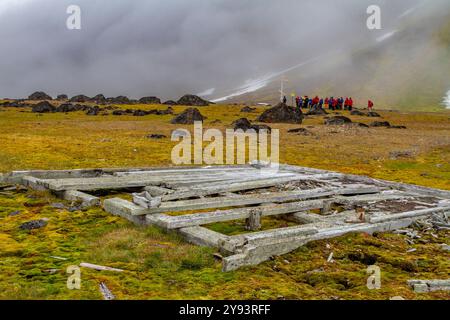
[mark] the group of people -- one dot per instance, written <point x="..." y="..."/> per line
<point x="327" y="103"/>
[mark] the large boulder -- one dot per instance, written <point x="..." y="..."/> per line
<point x="43" y="107"/>
<point x="191" y="100"/>
<point x="80" y="98"/>
<point x="62" y="97"/>
<point x="99" y="99"/>
<point x="281" y="113"/>
<point x="244" y="124"/>
<point x="337" y="121"/>
<point x="188" y="116"/>
<point x="150" y="100"/>
<point x="67" y="107"/>
<point x="170" y="103"/>
<point x="39" y="95"/>
<point x="119" y="100"/>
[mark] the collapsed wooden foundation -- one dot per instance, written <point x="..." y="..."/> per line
<point x="324" y="204"/>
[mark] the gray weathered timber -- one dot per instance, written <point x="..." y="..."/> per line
<point x="411" y="214"/>
<point x="244" y="200"/>
<point x="86" y="199"/>
<point x="424" y="286"/>
<point x="202" y="236"/>
<point x="189" y="220"/>
<point x="125" y="209"/>
<point x="257" y="253"/>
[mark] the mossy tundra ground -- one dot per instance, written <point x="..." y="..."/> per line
<point x="161" y="266"/>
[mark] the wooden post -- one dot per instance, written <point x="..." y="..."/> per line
<point x="253" y="222"/>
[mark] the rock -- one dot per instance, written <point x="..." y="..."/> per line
<point x="397" y="127"/>
<point x="317" y="112"/>
<point x="150" y="100"/>
<point x="360" y="125"/>
<point x="99" y="99"/>
<point x="243" y="124"/>
<point x="140" y="113"/>
<point x="373" y="115"/>
<point x="188" y="116"/>
<point x="156" y="136"/>
<point x="170" y="103"/>
<point x="43" y="107"/>
<point x="62" y="97"/>
<point x="93" y="111"/>
<point x="35" y="224"/>
<point x="357" y="113"/>
<point x="119" y="100"/>
<point x="281" y="113"/>
<point x="119" y="112"/>
<point x="67" y="107"/>
<point x="14" y="213"/>
<point x="81" y="99"/>
<point x="378" y="124"/>
<point x="58" y="205"/>
<point x="192" y="100"/>
<point x="394" y="155"/>
<point x="39" y="95"/>
<point x="248" y="109"/>
<point x="301" y="131"/>
<point x="337" y="121"/>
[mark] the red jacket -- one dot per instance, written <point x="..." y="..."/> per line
<point x="370" y="104"/>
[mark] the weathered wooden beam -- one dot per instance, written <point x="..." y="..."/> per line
<point x="417" y="214"/>
<point x="202" y="236"/>
<point x="86" y="200"/>
<point x="176" y="222"/>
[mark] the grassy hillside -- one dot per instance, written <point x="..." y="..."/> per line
<point x="162" y="266"/>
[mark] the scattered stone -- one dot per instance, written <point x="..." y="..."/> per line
<point x="93" y="111"/>
<point x="378" y="124"/>
<point x="357" y="113"/>
<point x="248" y="109"/>
<point x="150" y="100"/>
<point x="373" y="115"/>
<point x="244" y="124"/>
<point x="67" y="107"/>
<point x="170" y="103"/>
<point x="39" y="95"/>
<point x="317" y="111"/>
<point x="58" y="205"/>
<point x="62" y="97"/>
<point x="445" y="247"/>
<point x="337" y="121"/>
<point x="119" y="100"/>
<point x="192" y="100"/>
<point x="301" y="131"/>
<point x="360" y="125"/>
<point x="100" y="99"/>
<point x="397" y="127"/>
<point x="51" y="271"/>
<point x="188" y="116"/>
<point x="156" y="136"/>
<point x="80" y="98"/>
<point x="394" y="155"/>
<point x="43" y="107"/>
<point x="14" y="213"/>
<point x="35" y="224"/>
<point x="281" y="113"/>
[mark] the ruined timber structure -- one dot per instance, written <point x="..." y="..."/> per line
<point x="186" y="200"/>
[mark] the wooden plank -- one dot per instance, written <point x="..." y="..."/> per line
<point x="243" y="200"/>
<point x="229" y="187"/>
<point x="176" y="222"/>
<point x="202" y="236"/>
<point x="411" y="214"/>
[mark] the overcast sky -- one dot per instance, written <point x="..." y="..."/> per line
<point x="171" y="47"/>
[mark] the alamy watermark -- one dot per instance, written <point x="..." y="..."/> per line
<point x="73" y="21"/>
<point x="236" y="147"/>
<point x="374" y="19"/>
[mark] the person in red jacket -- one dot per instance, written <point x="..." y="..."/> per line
<point x="346" y="103"/>
<point x="350" y="104"/>
<point x="335" y="103"/>
<point x="370" y="105"/>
